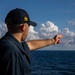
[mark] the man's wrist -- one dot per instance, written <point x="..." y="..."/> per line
<point x="53" y="41"/>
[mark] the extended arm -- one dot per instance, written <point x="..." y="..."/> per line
<point x="36" y="44"/>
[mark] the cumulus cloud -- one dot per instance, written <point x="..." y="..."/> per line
<point x="72" y="22"/>
<point x="32" y="34"/>
<point x="49" y="30"/>
<point x="3" y="29"/>
<point x="69" y="38"/>
<point x="45" y="31"/>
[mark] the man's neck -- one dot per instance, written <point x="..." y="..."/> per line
<point x="17" y="36"/>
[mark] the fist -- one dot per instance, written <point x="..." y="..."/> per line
<point x="57" y="39"/>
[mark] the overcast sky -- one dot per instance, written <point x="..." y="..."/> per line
<point x="52" y="17"/>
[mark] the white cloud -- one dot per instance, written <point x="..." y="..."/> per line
<point x="3" y="29"/>
<point x="48" y="30"/>
<point x="32" y="34"/>
<point x="69" y="38"/>
<point x="68" y="32"/>
<point x="72" y="22"/>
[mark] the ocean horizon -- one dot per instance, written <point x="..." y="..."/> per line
<point x="53" y="62"/>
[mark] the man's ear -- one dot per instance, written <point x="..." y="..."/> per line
<point x="22" y="27"/>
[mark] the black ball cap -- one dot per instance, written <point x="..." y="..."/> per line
<point x="18" y="16"/>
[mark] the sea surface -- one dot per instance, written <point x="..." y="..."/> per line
<point x="53" y="62"/>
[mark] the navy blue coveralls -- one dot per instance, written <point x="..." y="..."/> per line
<point x="14" y="56"/>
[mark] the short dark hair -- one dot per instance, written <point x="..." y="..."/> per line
<point x="13" y="28"/>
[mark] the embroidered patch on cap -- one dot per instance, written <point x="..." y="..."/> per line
<point x="25" y="19"/>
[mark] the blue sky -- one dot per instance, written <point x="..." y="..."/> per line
<point x="59" y="12"/>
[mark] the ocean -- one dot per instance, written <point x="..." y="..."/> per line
<point x="52" y="62"/>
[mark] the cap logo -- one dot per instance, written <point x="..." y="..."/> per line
<point x="25" y="19"/>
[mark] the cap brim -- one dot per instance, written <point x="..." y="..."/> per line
<point x="32" y="23"/>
